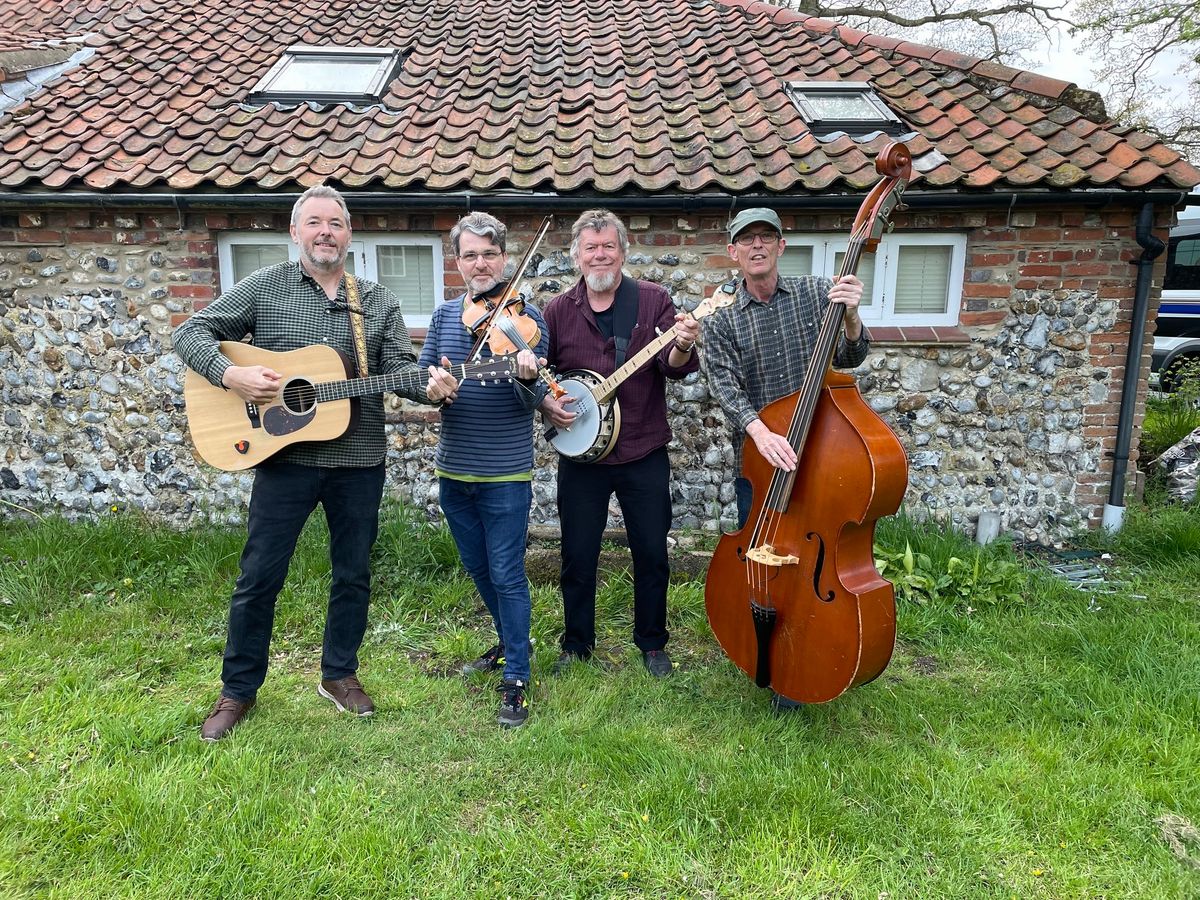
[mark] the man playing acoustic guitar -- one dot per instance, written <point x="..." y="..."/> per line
<point x="286" y="307"/>
<point x="605" y="316"/>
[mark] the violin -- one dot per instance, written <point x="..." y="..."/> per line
<point x="481" y="315"/>
<point x="482" y="312"/>
<point x="793" y="597"/>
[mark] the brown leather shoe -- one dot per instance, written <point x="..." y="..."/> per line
<point x="347" y="695"/>
<point x="227" y="713"/>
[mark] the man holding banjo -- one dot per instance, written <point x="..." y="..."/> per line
<point x="598" y="324"/>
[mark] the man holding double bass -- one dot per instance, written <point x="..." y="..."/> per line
<point x="758" y="349"/>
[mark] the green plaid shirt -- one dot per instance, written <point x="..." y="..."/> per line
<point x="756" y="352"/>
<point x="283" y="308"/>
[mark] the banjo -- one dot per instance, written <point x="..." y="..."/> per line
<point x="597" y="424"/>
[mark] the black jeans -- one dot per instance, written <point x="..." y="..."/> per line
<point x="283" y="497"/>
<point x="643" y="489"/>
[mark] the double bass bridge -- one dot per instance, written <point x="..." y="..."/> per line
<point x="766" y="555"/>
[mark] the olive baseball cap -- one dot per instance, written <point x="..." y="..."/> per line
<point x="749" y="217"/>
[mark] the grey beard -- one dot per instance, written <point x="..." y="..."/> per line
<point x="602" y="283"/>
<point x="325" y="266"/>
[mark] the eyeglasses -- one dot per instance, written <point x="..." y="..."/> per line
<point x="746" y="238"/>
<point x="487" y="255"/>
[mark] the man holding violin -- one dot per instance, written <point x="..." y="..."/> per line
<point x="485" y="453"/>
<point x="605" y="315"/>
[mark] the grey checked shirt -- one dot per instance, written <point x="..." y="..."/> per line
<point x="756" y="352"/>
<point x="284" y="309"/>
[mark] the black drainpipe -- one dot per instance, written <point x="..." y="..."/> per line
<point x="1152" y="248"/>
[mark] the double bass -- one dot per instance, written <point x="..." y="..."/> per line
<point x="793" y="597"/>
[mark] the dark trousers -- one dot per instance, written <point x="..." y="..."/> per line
<point x="643" y="489"/>
<point x="283" y="497"/>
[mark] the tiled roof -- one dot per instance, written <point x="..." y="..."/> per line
<point x="608" y="96"/>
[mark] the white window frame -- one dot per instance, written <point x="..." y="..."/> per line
<point x="386" y="59"/>
<point x="881" y="311"/>
<point x="362" y="249"/>
<point x="802" y="94"/>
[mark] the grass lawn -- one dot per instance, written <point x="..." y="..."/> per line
<point x="1028" y="739"/>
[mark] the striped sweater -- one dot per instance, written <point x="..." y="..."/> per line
<point x="487" y="432"/>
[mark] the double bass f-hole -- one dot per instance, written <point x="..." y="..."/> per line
<point x="819" y="568"/>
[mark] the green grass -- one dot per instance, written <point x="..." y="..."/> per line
<point x="1014" y="748"/>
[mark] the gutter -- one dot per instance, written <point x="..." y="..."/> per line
<point x="1152" y="248"/>
<point x="474" y="200"/>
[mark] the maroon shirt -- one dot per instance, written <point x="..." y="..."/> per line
<point x="576" y="343"/>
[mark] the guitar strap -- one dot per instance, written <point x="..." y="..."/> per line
<point x="355" y="310"/>
<point x="624" y="317"/>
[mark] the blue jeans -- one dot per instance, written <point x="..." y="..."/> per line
<point x="490" y="524"/>
<point x="743" y="491"/>
<point x="283" y="497"/>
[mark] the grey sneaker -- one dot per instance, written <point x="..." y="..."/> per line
<point x="514" y="707"/>
<point x="565" y="660"/>
<point x="347" y="695"/>
<point x="490" y="661"/>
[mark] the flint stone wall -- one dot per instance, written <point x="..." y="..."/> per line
<point x="1014" y="412"/>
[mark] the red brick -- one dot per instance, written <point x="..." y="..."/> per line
<point x="42" y="236"/>
<point x="991" y="317"/>
<point x="1086" y="268"/>
<point x="987" y="290"/>
<point x="983" y="260"/>
<point x="1084" y="234"/>
<point x="196" y="291"/>
<point x="1033" y="270"/>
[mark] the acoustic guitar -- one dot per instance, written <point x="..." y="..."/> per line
<point x="317" y="401"/>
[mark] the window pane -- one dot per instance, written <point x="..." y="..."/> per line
<point x="796" y="260"/>
<point x="1183" y="265"/>
<point x="408" y="273"/>
<point x="323" y="75"/>
<point x="249" y="258"/>
<point x="865" y="273"/>
<point x="922" y="279"/>
<point x="842" y="106"/>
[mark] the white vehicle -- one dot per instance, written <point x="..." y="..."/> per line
<point x="1177" y="335"/>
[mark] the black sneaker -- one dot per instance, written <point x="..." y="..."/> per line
<point x="514" y="708"/>
<point x="781" y="705"/>
<point x="657" y="663"/>
<point x="565" y="660"/>
<point x="490" y="661"/>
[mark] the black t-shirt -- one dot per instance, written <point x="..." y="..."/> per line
<point x="606" y="320"/>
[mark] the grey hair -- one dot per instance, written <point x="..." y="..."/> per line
<point x="323" y="191"/>
<point x="479" y="224"/>
<point x="597" y="220"/>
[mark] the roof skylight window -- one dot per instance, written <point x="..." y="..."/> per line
<point x="328" y="75"/>
<point x="849" y="106"/>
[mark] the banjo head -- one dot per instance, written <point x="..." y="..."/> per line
<point x="591" y="435"/>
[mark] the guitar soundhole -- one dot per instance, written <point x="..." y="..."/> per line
<point x="299" y="396"/>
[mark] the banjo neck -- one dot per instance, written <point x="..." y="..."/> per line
<point x="606" y="388"/>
